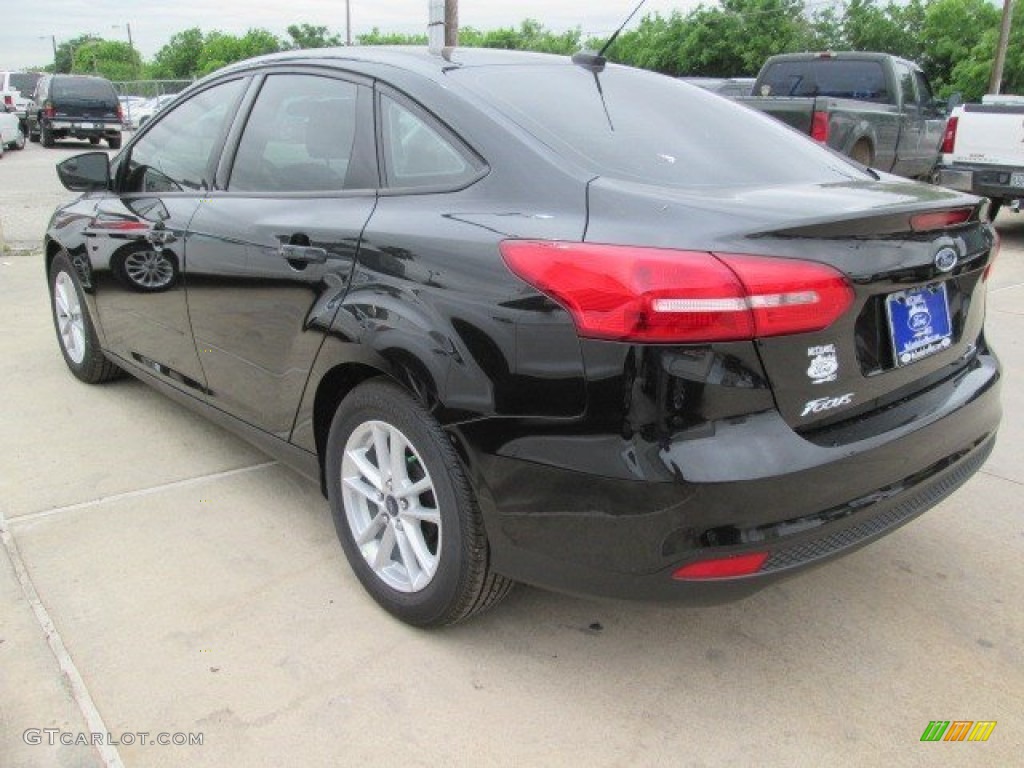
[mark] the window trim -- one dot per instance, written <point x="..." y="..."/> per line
<point x="364" y="140"/>
<point x="470" y="155"/>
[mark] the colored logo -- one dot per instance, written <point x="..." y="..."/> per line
<point x="958" y="730"/>
<point x="946" y="259"/>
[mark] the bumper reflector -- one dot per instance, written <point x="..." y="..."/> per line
<point x="722" y="567"/>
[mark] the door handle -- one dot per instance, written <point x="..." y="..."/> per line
<point x="307" y="254"/>
<point x="160" y="236"/>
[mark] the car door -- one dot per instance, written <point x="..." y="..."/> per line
<point x="934" y="122"/>
<point x="909" y="154"/>
<point x="272" y="251"/>
<point x="136" y="241"/>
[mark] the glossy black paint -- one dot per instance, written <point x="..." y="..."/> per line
<point x="600" y="467"/>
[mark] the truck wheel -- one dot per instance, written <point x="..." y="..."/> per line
<point x="46" y="135"/>
<point x="863" y="153"/>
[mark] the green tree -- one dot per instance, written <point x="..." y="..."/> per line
<point x="179" y="57"/>
<point x="959" y="34"/>
<point x="220" y="49"/>
<point x="65" y="58"/>
<point x="111" y="59"/>
<point x="308" y="36"/>
<point x="376" y="37"/>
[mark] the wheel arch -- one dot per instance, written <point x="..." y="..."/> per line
<point x="341" y="377"/>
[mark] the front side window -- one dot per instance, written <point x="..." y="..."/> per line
<point x="174" y="155"/>
<point x="416" y="154"/>
<point x="300" y="137"/>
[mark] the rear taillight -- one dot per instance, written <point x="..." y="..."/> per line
<point x="49" y="110"/>
<point x="819" y="127"/>
<point x="8" y="100"/>
<point x="949" y="136"/>
<point x="120" y="113"/>
<point x="628" y="293"/>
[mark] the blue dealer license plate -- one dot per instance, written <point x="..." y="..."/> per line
<point x="919" y="322"/>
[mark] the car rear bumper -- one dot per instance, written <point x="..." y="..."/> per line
<point x="993" y="181"/>
<point x="84" y="129"/>
<point x="754" y="486"/>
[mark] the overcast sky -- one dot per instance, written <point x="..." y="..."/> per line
<point x="26" y="25"/>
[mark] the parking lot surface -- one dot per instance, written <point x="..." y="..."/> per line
<point x="159" y="576"/>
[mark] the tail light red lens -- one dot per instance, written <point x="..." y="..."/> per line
<point x="819" y="127"/>
<point x="120" y="113"/>
<point x="628" y="293"/>
<point x="926" y="222"/>
<point x="8" y="100"/>
<point x="949" y="137"/>
<point x="722" y="567"/>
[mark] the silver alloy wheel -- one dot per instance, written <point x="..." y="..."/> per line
<point x="391" y="506"/>
<point x="68" y="310"/>
<point x="149" y="269"/>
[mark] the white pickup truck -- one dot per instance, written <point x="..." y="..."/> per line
<point x="983" y="151"/>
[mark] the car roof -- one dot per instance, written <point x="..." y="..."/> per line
<point x="411" y="58"/>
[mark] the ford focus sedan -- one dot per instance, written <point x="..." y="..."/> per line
<point x="527" y="318"/>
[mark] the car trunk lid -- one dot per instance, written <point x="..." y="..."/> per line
<point x="915" y="256"/>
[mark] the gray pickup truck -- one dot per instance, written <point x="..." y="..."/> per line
<point x="873" y="107"/>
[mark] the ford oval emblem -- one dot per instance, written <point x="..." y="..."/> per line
<point x="946" y="259"/>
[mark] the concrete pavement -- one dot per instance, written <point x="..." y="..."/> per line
<point x="196" y="587"/>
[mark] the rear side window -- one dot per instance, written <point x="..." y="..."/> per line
<point x="418" y="153"/>
<point x="299" y="137"/>
<point x="636" y="125"/>
<point x="82" y="89"/>
<point x="24" y="82"/>
<point x="840" y="78"/>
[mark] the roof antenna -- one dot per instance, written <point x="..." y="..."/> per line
<point x="595" y="61"/>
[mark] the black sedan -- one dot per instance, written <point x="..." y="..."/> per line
<point x="527" y="318"/>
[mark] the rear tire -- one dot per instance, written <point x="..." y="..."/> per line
<point x="114" y="143"/>
<point x="94" y="140"/>
<point x="19" y="140"/>
<point x="863" y="153"/>
<point x="76" y="334"/>
<point x="46" y="136"/>
<point x="408" y="522"/>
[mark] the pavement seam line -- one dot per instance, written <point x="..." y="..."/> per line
<point x="79" y="692"/>
<point x="996" y="475"/>
<point x="1006" y="288"/>
<point x="136" y="493"/>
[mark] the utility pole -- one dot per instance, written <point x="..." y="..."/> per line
<point x="451" y="23"/>
<point x="348" y="23"/>
<point x="1004" y="38"/>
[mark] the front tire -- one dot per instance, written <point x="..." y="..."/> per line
<point x="76" y="334"/>
<point x="404" y="512"/>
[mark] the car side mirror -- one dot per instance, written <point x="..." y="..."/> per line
<point x="85" y="173"/>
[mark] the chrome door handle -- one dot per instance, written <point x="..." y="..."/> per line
<point x="306" y="254"/>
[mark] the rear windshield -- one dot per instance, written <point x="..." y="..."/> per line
<point x="85" y="89"/>
<point x="24" y="82"/>
<point x="843" y="79"/>
<point x="636" y="125"/>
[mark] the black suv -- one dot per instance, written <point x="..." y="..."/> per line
<point x="75" y="106"/>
